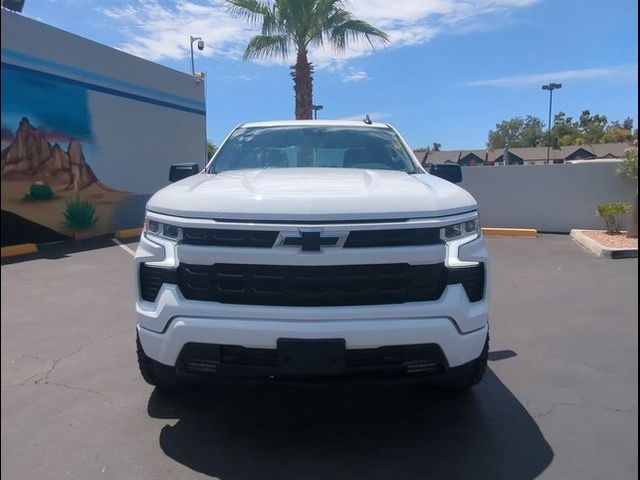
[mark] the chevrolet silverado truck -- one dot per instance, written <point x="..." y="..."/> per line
<point x="312" y="249"/>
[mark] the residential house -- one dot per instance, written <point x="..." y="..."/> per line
<point x="524" y="155"/>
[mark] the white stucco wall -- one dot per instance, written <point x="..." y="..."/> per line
<point x="551" y="198"/>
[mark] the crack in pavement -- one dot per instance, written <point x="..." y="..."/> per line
<point x="23" y="354"/>
<point x="42" y="378"/>
<point x="79" y="389"/>
<point x="554" y="405"/>
<point x="26" y="380"/>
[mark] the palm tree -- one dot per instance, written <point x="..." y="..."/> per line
<point x="299" y="24"/>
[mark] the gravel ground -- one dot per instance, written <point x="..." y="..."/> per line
<point x="612" y="241"/>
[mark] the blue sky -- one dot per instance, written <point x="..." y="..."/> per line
<point x="453" y="70"/>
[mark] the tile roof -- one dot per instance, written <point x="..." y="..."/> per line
<point x="602" y="150"/>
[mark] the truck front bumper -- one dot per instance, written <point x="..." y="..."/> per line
<point x="454" y="324"/>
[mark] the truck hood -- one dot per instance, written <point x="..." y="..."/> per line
<point x="311" y="194"/>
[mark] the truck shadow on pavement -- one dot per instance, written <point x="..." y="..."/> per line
<point x="372" y="430"/>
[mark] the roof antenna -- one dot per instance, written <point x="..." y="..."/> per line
<point x="367" y="120"/>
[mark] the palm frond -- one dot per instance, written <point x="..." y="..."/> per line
<point x="256" y="12"/>
<point x="323" y="9"/>
<point x="297" y="18"/>
<point x="329" y="19"/>
<point x="352" y="30"/>
<point x="251" y="10"/>
<point x="264" y="46"/>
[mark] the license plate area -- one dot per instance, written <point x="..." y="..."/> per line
<point x="310" y="356"/>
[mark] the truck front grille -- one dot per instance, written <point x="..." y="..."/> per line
<point x="312" y="285"/>
<point x="229" y="238"/>
<point x="403" y="237"/>
<point x="406" y="237"/>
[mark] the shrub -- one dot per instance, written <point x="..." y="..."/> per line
<point x="611" y="214"/>
<point x="39" y="191"/>
<point x="629" y="166"/>
<point x="79" y="215"/>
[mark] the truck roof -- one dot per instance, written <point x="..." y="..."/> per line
<point x="315" y="123"/>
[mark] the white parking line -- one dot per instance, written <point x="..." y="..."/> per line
<point x="124" y="247"/>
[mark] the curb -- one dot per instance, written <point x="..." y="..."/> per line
<point x="600" y="251"/>
<point x="510" y="232"/>
<point x="26" y="248"/>
<point x="15" y="250"/>
<point x="128" y="233"/>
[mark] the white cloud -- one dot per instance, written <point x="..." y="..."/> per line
<point x="353" y="75"/>
<point x="617" y="73"/>
<point x="156" y="31"/>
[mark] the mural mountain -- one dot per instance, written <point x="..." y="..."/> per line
<point x="31" y="156"/>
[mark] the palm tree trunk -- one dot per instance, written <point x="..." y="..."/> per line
<point x="632" y="231"/>
<point x="303" y="85"/>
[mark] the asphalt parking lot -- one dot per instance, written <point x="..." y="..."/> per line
<point x="560" y="399"/>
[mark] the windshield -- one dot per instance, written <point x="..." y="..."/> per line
<point x="322" y="146"/>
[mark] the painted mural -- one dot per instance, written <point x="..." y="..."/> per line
<point x="48" y="188"/>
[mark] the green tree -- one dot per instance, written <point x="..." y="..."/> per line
<point x="592" y="127"/>
<point x="211" y="149"/>
<point x="435" y="147"/>
<point x="629" y="169"/>
<point x="517" y="132"/>
<point x="564" y="130"/>
<point x="619" y="132"/>
<point x="289" y="25"/>
<point x="616" y="133"/>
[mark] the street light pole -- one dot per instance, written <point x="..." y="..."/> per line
<point x="315" y="110"/>
<point x="551" y="87"/>
<point x="201" y="78"/>
<point x="200" y="47"/>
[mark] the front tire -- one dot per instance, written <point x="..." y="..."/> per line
<point x="155" y="373"/>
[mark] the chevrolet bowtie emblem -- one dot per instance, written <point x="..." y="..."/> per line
<point x="310" y="241"/>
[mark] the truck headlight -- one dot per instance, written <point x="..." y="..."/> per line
<point x="163" y="230"/>
<point x="456" y="235"/>
<point x="167" y="236"/>
<point x="459" y="230"/>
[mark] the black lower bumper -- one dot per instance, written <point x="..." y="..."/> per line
<point x="294" y="358"/>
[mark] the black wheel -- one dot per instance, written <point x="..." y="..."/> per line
<point x="470" y="374"/>
<point x="155" y="373"/>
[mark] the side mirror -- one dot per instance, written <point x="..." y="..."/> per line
<point x="178" y="171"/>
<point x="448" y="171"/>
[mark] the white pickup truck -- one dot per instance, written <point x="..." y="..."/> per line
<point x="312" y="249"/>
